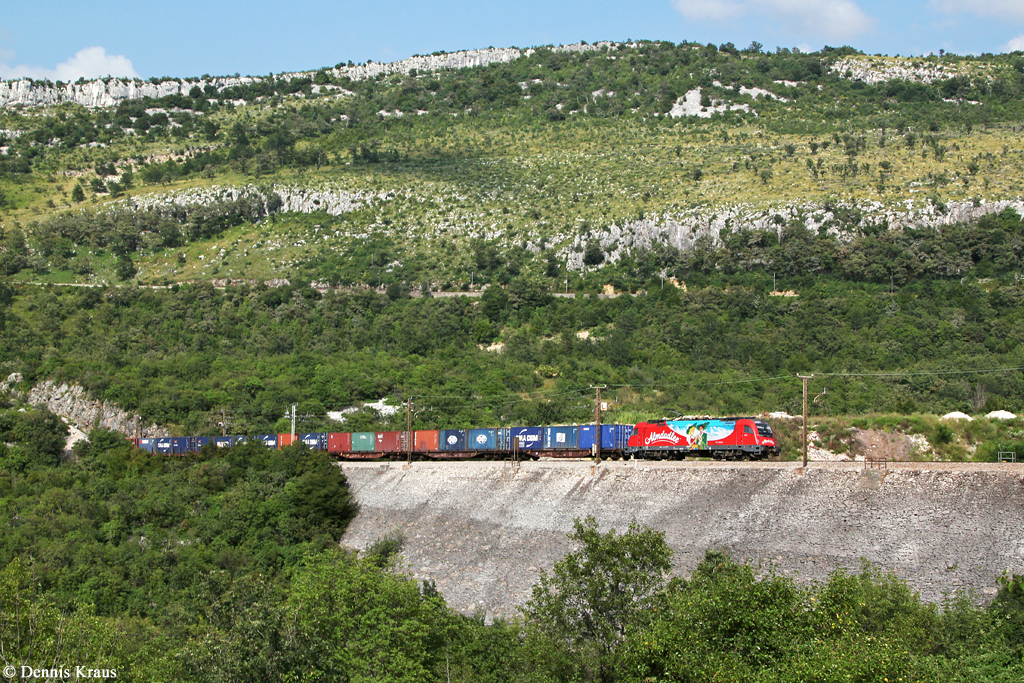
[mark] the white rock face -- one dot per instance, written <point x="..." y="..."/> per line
<point x="874" y="72"/>
<point x="681" y="231"/>
<point x="110" y="92"/>
<point x="1001" y="415"/>
<point x="72" y="402"/>
<point x="104" y="92"/>
<point x="293" y="199"/>
<point x="957" y="415"/>
<point x="689" y="105"/>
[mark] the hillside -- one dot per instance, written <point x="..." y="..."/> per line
<point x="884" y="192"/>
<point x="544" y="151"/>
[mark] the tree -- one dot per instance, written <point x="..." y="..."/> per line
<point x="357" y="623"/>
<point x="597" y="593"/>
<point x="494" y="303"/>
<point x="125" y="267"/>
<point x="593" y="255"/>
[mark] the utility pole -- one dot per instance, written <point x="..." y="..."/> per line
<point x="408" y="430"/>
<point x="294" y="405"/>
<point x="597" y="422"/>
<point x="224" y="423"/>
<point x="805" y="378"/>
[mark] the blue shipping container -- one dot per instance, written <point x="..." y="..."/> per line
<point x="200" y="441"/>
<point x="316" y="441"/>
<point x="235" y="440"/>
<point x="180" y="445"/>
<point x="453" y="439"/>
<point x="586" y="437"/>
<point x="269" y="440"/>
<point x="529" y="438"/>
<point x="561" y="437"/>
<point x="613" y="437"/>
<point x="222" y="441"/>
<point x="148" y="445"/>
<point x="483" y="439"/>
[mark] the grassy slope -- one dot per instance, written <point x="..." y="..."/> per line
<point x="513" y="173"/>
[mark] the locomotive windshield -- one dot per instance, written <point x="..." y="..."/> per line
<point x="763" y="429"/>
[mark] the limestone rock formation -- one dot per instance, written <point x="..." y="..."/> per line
<point x="109" y="92"/>
<point x="72" y="402"/>
<point x="683" y="230"/>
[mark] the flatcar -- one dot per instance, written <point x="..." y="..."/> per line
<point x="720" y="438"/>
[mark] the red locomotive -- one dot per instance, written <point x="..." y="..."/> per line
<point x="729" y="438"/>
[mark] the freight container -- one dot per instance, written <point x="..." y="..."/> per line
<point x="268" y="440"/>
<point x="316" y="441"/>
<point x="528" y="438"/>
<point x="198" y="442"/>
<point x="363" y="442"/>
<point x="181" y="445"/>
<point x="483" y="439"/>
<point x="502" y="439"/>
<point x="235" y="440"/>
<point x="560" y="438"/>
<point x="426" y="440"/>
<point x="222" y="441"/>
<point x="613" y="437"/>
<point x="453" y="439"/>
<point x="339" y="442"/>
<point x="148" y="445"/>
<point x="284" y="440"/>
<point x="391" y="442"/>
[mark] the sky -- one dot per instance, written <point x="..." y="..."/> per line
<point x="65" y="41"/>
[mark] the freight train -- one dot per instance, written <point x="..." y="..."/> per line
<point x="726" y="438"/>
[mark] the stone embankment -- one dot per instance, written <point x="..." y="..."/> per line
<point x="483" y="531"/>
<point x="72" y="402"/>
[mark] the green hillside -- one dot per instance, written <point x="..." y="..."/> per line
<point x="882" y="192"/>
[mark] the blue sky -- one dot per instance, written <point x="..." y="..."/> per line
<point x="61" y="40"/>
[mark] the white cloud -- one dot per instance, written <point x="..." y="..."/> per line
<point x="1007" y="9"/>
<point x="715" y="10"/>
<point x="1014" y="44"/>
<point x="829" y="19"/>
<point x="92" y="62"/>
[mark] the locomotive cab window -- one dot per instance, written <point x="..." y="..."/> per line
<point x="747" y="429"/>
<point x="763" y="429"/>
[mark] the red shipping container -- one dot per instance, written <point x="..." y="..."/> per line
<point x="426" y="440"/>
<point x="339" y="442"/>
<point x="284" y="440"/>
<point x="390" y="442"/>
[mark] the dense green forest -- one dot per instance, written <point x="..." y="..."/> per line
<point x="225" y="566"/>
<point x="901" y="322"/>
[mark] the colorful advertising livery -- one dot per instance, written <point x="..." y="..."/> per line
<point x="730" y="438"/>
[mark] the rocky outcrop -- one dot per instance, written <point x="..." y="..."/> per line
<point x="875" y="71"/>
<point x="73" y="403"/>
<point x="283" y="198"/>
<point x="104" y="92"/>
<point x="111" y="91"/>
<point x="683" y="230"/>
